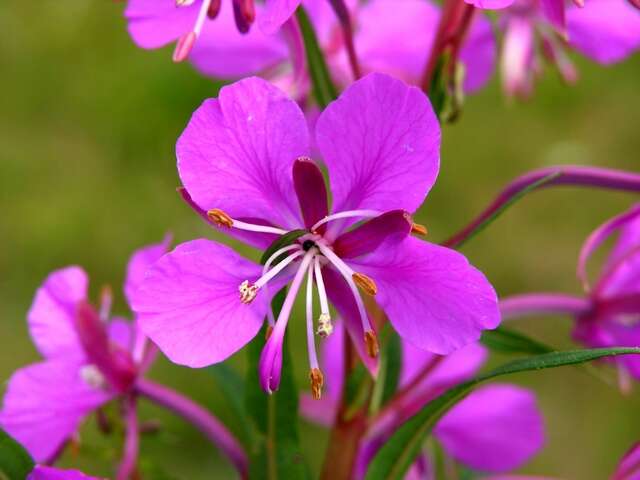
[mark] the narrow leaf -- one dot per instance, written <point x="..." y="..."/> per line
<point x="509" y="341"/>
<point x="323" y="88"/>
<point x="15" y="462"/>
<point x="394" y="459"/>
<point x="282" y="241"/>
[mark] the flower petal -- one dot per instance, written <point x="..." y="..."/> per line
<point x="188" y="304"/>
<point x="140" y="262"/>
<point x="237" y="152"/>
<point x="399" y="46"/>
<point x="41" y="472"/>
<point x="154" y="23"/>
<point x="554" y="11"/>
<point x="496" y="428"/>
<point x="605" y="31"/>
<point x="490" y="4"/>
<point x="311" y="191"/>
<point x="51" y="316"/>
<point x="388" y="229"/>
<point x="434" y="299"/>
<point x="450" y="370"/>
<point x="478" y="54"/>
<point x="223" y="52"/>
<point x="380" y="141"/>
<point x="44" y="404"/>
<point x="275" y="13"/>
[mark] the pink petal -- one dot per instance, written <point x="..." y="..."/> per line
<point x="155" y="23"/>
<point x="434" y="299"/>
<point x="497" y="428"/>
<point x="554" y="11"/>
<point x="45" y="403"/>
<point x="223" y="52"/>
<point x="490" y="4"/>
<point x="380" y="141"/>
<point x="237" y="152"/>
<point x="41" y="472"/>
<point x="275" y="13"/>
<point x="606" y="31"/>
<point x="140" y="262"/>
<point x="478" y="54"/>
<point x="188" y="303"/>
<point x="51" y="317"/>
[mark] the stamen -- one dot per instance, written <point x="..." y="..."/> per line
<point x="317" y="381"/>
<point x="184" y="3"/>
<point x="325" y="328"/>
<point x="371" y="341"/>
<point x="346" y="214"/>
<point x="202" y="16"/>
<point x="106" y="299"/>
<point x="347" y="273"/>
<point x="248" y="291"/>
<point x="93" y="377"/>
<point x="311" y="344"/>
<point x="221" y="219"/>
<point x="186" y="42"/>
<point x="365" y="283"/>
<point x="266" y="267"/>
<point x="419" y="229"/>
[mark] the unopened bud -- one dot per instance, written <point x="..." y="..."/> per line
<point x="220" y="218"/>
<point x="248" y="292"/>
<point x="317" y="381"/>
<point x="419" y="229"/>
<point x="371" y="342"/>
<point x="365" y="283"/>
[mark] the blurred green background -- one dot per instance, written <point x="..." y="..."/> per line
<point x="87" y="174"/>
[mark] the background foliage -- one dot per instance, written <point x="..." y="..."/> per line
<point x="88" y="124"/>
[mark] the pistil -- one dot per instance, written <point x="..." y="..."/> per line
<point x="267" y="266"/>
<point x="248" y="290"/>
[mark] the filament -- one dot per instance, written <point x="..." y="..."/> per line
<point x="346" y="214"/>
<point x="311" y="344"/>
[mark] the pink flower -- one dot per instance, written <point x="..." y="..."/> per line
<point x="243" y="160"/>
<point x="89" y="359"/>
<point x="155" y="23"/>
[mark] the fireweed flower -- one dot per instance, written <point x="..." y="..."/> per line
<point x="609" y="313"/>
<point x="243" y="160"/>
<point x="495" y="429"/>
<point x="606" y="31"/>
<point x="89" y="359"/>
<point x="155" y="23"/>
<point x="390" y="36"/>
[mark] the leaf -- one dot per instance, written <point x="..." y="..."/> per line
<point x="15" y="461"/>
<point x="509" y="341"/>
<point x="323" y="88"/>
<point x="276" y="453"/>
<point x="389" y="374"/>
<point x="231" y="386"/>
<point x="282" y="241"/>
<point x="398" y="453"/>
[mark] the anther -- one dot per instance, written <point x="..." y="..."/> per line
<point x="371" y="342"/>
<point x="365" y="283"/>
<point x="220" y="218"/>
<point x="317" y="381"/>
<point x="248" y="292"/>
<point x="214" y="9"/>
<point x="325" y="327"/>
<point x="419" y="229"/>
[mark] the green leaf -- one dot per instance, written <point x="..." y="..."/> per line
<point x="509" y="341"/>
<point x="282" y="241"/>
<point x="399" y="452"/>
<point x="389" y="373"/>
<point x="15" y="462"/>
<point x="276" y="452"/>
<point x="231" y="386"/>
<point x="490" y="219"/>
<point x="323" y="88"/>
